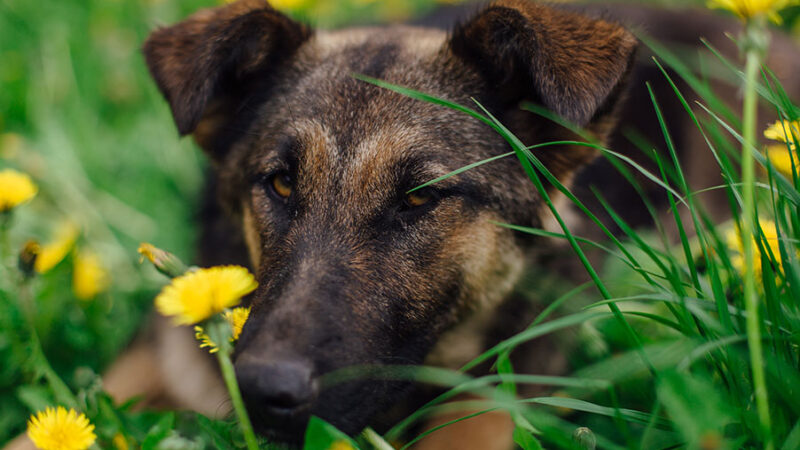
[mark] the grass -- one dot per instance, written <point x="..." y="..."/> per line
<point x="662" y="356"/>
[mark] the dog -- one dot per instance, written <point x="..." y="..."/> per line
<point x="316" y="165"/>
<point x="316" y="169"/>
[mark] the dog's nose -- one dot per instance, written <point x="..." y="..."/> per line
<point x="283" y="386"/>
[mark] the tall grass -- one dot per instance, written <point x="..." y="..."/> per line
<point x="683" y="358"/>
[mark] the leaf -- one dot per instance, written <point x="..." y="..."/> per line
<point x="158" y="432"/>
<point x="320" y="435"/>
<point x="216" y="431"/>
<point x="697" y="409"/>
<point x="526" y="440"/>
<point x="36" y="398"/>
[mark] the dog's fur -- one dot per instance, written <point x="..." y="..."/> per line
<point x="353" y="270"/>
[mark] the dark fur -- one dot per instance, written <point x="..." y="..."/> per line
<point x="349" y="273"/>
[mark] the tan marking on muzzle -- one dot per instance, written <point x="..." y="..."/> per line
<point x="251" y="235"/>
<point x="492" y="264"/>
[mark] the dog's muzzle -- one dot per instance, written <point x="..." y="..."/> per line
<point x="279" y="394"/>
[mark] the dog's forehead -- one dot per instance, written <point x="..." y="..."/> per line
<point x="411" y="42"/>
<point x="325" y="87"/>
<point x="343" y="123"/>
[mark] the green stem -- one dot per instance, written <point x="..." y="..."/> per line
<point x="5" y="246"/>
<point x="229" y="376"/>
<point x="755" y="29"/>
<point x="375" y="439"/>
<point x="61" y="391"/>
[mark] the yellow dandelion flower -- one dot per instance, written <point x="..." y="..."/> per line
<point x="89" y="276"/>
<point x="53" y="252"/>
<point x="734" y="241"/>
<point x="120" y="442"/>
<point x="16" y="188"/>
<point x="781" y="158"/>
<point x="341" y="445"/>
<point x="287" y="4"/>
<point x="282" y="4"/>
<point x="61" y="429"/>
<point x="747" y="9"/>
<point x="237" y="317"/>
<point x="205" y="340"/>
<point x="200" y="294"/>
<point x="782" y="129"/>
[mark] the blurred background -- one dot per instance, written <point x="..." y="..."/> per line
<point x="79" y="113"/>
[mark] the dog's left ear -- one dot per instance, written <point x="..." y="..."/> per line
<point x="571" y="64"/>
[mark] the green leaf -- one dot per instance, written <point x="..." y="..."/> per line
<point x="697" y="409"/>
<point x="36" y="398"/>
<point x="526" y="440"/>
<point x="320" y="435"/>
<point x="158" y="432"/>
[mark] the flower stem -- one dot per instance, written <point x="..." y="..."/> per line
<point x="61" y="391"/>
<point x="229" y="376"/>
<point x="754" y="33"/>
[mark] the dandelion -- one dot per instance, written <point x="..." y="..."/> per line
<point x="52" y="253"/>
<point x="282" y="4"/>
<point x="770" y="233"/>
<point x="120" y="442"/>
<point x="165" y="262"/>
<point x="205" y="340"/>
<point x="200" y="294"/>
<point x="781" y="158"/>
<point x="782" y="155"/>
<point x="27" y="257"/>
<point x="89" y="276"/>
<point x="287" y="4"/>
<point x="782" y="129"/>
<point x="236" y="317"/>
<point x="747" y="9"/>
<point x="341" y="445"/>
<point x="61" y="429"/>
<point x="16" y="188"/>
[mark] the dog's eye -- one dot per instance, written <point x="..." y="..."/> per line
<point x="281" y="184"/>
<point x="418" y="198"/>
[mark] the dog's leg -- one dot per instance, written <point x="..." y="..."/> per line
<point x="489" y="431"/>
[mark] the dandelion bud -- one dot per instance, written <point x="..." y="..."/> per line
<point x="166" y="263"/>
<point x="27" y="258"/>
<point x="584" y="438"/>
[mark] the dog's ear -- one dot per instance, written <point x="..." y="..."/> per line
<point x="571" y="64"/>
<point x="210" y="55"/>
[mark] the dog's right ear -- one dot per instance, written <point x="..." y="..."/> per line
<point x="206" y="59"/>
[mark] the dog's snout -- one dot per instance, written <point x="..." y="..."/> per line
<point x="280" y="385"/>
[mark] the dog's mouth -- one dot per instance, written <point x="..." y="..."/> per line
<point x="284" y="425"/>
<point x="347" y="406"/>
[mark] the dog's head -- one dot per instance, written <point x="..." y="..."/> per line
<point x="317" y="166"/>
